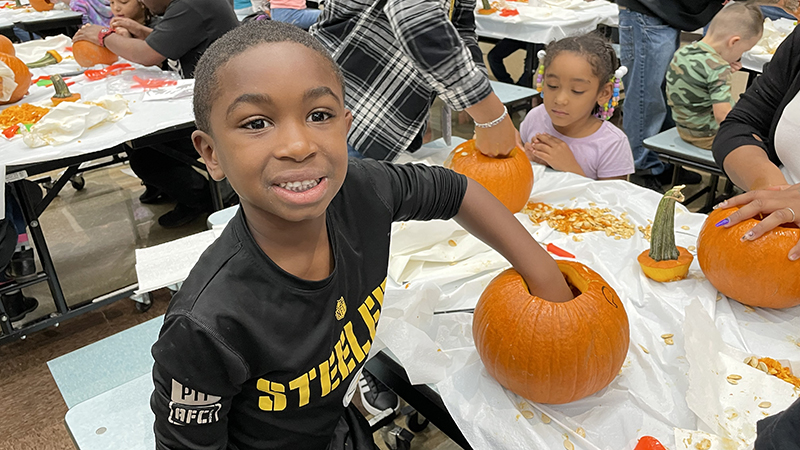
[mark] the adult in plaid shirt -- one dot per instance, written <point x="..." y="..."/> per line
<point x="397" y="55"/>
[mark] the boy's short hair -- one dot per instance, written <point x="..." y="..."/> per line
<point x="237" y="41"/>
<point x="737" y="19"/>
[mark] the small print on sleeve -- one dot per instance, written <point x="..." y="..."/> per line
<point x="191" y="407"/>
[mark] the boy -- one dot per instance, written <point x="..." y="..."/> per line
<point x="262" y="346"/>
<point x="698" y="79"/>
<point x="184" y="32"/>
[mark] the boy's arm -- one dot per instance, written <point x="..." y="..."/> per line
<point x="721" y="111"/>
<point x="193" y="377"/>
<point x="132" y="49"/>
<point x="487" y="219"/>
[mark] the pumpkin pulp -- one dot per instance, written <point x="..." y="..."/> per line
<point x="664" y="261"/>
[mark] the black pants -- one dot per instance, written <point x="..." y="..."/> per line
<point x="175" y="178"/>
<point x="503" y="49"/>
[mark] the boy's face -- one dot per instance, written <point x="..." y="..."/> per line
<point x="736" y="46"/>
<point x="278" y="131"/>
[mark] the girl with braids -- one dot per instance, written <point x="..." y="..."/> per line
<point x="579" y="82"/>
<point x="131" y="18"/>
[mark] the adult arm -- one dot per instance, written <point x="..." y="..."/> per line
<point x="431" y="41"/>
<point x="130" y="48"/>
<point x="741" y="147"/>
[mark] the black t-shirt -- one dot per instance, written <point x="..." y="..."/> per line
<point x="685" y="15"/>
<point x="188" y="27"/>
<point x="252" y="357"/>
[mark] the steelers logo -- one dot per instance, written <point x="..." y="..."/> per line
<point x="341" y="308"/>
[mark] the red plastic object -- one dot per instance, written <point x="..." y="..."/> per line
<point x="10" y="131"/>
<point x="552" y="248"/>
<point x="114" y="69"/>
<point x="152" y="83"/>
<point x="649" y="443"/>
<point x="509" y="13"/>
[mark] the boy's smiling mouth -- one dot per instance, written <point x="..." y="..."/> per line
<point x="300" y="186"/>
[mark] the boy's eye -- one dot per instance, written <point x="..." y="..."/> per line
<point x="319" y="116"/>
<point x="256" y="124"/>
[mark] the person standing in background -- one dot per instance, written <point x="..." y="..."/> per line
<point x="294" y="12"/>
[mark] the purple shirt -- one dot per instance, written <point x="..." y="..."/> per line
<point x="604" y="154"/>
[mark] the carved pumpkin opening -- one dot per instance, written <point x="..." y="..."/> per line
<point x="576" y="283"/>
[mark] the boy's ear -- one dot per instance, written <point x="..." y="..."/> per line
<point x="348" y="117"/>
<point x="733" y="40"/>
<point x="606" y="91"/>
<point x="204" y="144"/>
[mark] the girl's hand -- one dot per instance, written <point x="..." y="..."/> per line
<point x="122" y="32"/>
<point x="556" y="153"/>
<point x="781" y="204"/>
<point x="528" y="147"/>
<point x="134" y="28"/>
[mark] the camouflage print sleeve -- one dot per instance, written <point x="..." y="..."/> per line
<point x="719" y="82"/>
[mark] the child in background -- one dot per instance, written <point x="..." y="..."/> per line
<point x="131" y="18"/>
<point x="578" y="78"/>
<point x="698" y="78"/>
<point x="95" y="12"/>
<point x="263" y="344"/>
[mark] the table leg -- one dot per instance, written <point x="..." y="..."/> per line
<point x="712" y="192"/>
<point x="530" y="57"/>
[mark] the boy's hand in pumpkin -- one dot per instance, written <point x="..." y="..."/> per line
<point x="556" y="153"/>
<point x="780" y="204"/>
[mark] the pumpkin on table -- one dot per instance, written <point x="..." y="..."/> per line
<point x="756" y="273"/>
<point x="551" y="352"/>
<point x="509" y="178"/>
<point x="6" y="46"/>
<point x="665" y="261"/>
<point x="88" y="54"/>
<point x="42" y="5"/>
<point x="12" y="69"/>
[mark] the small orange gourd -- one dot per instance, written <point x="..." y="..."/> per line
<point x="551" y="352"/>
<point x="665" y="261"/>
<point x="509" y="178"/>
<point x="487" y="9"/>
<point x="42" y="5"/>
<point x="22" y="76"/>
<point x="62" y="91"/>
<point x="6" y="46"/>
<point x="88" y="54"/>
<point x="756" y="273"/>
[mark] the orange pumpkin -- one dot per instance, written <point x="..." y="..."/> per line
<point x="756" y="273"/>
<point x="87" y="54"/>
<point x="664" y="261"/>
<point x="6" y="46"/>
<point x="22" y="76"/>
<point x="551" y="352"/>
<point x="508" y="178"/>
<point x="42" y="5"/>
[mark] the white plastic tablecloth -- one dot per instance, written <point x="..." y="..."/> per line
<point x="31" y="15"/>
<point x="544" y="23"/>
<point x="428" y="274"/>
<point x="774" y="33"/>
<point x="146" y="116"/>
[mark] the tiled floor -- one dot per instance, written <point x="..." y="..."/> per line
<point x="92" y="235"/>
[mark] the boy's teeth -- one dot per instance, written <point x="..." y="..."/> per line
<point x="299" y="186"/>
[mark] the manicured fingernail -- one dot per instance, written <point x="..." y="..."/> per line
<point x="721" y="205"/>
<point x="794" y="256"/>
<point x="748" y="236"/>
<point x="723" y="222"/>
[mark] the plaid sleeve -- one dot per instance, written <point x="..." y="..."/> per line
<point x="432" y="42"/>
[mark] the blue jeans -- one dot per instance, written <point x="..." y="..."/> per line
<point x="353" y="153"/>
<point x="303" y="18"/>
<point x="775" y="13"/>
<point x="647" y="45"/>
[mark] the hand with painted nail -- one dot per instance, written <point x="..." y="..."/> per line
<point x="777" y="206"/>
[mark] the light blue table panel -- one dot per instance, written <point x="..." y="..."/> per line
<point x="510" y="93"/>
<point x="670" y="142"/>
<point x="119" y="419"/>
<point x="107" y="363"/>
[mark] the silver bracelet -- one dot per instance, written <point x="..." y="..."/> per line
<point x="495" y="121"/>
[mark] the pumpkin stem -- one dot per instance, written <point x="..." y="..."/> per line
<point x="51" y="57"/>
<point x="62" y="91"/>
<point x="662" y="236"/>
<point x="486" y="4"/>
<point x="19" y="4"/>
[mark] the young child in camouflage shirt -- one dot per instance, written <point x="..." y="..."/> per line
<point x="698" y="78"/>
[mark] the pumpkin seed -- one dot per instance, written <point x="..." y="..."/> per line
<point x="762" y="367"/>
<point x="527" y="414"/>
<point x="560" y="205"/>
<point x="669" y="341"/>
<point x="569" y="445"/>
<point x="764" y="405"/>
<point x="705" y="444"/>
<point x="452" y="243"/>
<point x="592" y="204"/>
<point x="667" y="336"/>
<point x="684" y="227"/>
<point x="545" y="418"/>
<point x="719" y="297"/>
<point x="752" y="362"/>
<point x="691" y="248"/>
<point x="749" y="308"/>
<point x="577" y="238"/>
<point x="734" y="382"/>
<point x="573" y="198"/>
<point x="772" y="371"/>
<point x="581" y="431"/>
<point x="735" y="377"/>
<point x="644" y="349"/>
<point x="464" y="154"/>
